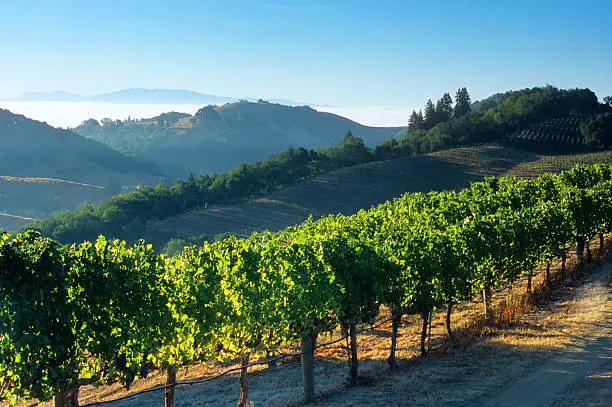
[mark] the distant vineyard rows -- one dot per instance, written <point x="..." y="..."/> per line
<point x="561" y="130"/>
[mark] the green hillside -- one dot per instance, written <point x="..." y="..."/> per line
<point x="44" y="170"/>
<point x="218" y="138"/>
<point x="349" y="189"/>
<point x="442" y="127"/>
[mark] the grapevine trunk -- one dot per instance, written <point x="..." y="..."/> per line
<point x="425" y="316"/>
<point x="307" y="359"/>
<point x="563" y="266"/>
<point x="169" y="391"/>
<point x="449" y="310"/>
<point x="60" y="399"/>
<point x="396" y="321"/>
<point x="486" y="299"/>
<point x="354" y="360"/>
<point x="244" y="386"/>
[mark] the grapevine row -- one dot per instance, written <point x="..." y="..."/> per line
<point x="561" y="130"/>
<point x="104" y="311"/>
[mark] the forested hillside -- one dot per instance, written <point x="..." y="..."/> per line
<point x="443" y="125"/>
<point x="44" y="170"/>
<point x="218" y="138"/>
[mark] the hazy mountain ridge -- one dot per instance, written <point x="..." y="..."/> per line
<point x="216" y="138"/>
<point x="142" y="95"/>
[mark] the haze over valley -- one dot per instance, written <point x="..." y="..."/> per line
<point x="67" y="114"/>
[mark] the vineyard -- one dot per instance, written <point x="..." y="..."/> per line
<point x="103" y="312"/>
<point x="350" y="189"/>
<point x="555" y="132"/>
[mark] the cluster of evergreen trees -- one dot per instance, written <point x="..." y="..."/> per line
<point x="441" y="112"/>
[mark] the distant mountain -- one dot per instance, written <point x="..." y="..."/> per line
<point x="45" y="170"/>
<point x="140" y="95"/>
<point x="217" y="138"/>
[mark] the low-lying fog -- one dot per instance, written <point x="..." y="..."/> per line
<point x="71" y="114"/>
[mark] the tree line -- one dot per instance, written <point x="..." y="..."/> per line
<point x="106" y="311"/>
<point x="125" y="216"/>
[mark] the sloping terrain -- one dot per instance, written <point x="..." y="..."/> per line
<point x="24" y="199"/>
<point x="29" y="148"/>
<point x="10" y="222"/>
<point x="349" y="189"/>
<point x="44" y="170"/>
<point x="218" y="138"/>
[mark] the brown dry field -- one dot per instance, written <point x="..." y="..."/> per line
<point x="526" y="330"/>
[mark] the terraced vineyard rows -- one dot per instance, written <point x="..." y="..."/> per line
<point x="564" y="130"/>
<point x="349" y="189"/>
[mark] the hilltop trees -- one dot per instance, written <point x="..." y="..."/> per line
<point x="416" y="120"/>
<point x="350" y="151"/>
<point x="430" y="115"/>
<point x="444" y="108"/>
<point x="440" y="112"/>
<point x="462" y="102"/>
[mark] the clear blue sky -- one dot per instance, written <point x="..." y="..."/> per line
<point x="359" y="53"/>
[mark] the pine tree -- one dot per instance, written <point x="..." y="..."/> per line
<point x="421" y="119"/>
<point x="414" y="123"/>
<point x="444" y="108"/>
<point x="430" y="115"/>
<point x="462" y="102"/>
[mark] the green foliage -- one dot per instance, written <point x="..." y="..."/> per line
<point x="39" y="346"/>
<point x="108" y="311"/>
<point x="112" y="295"/>
<point x="597" y="131"/>
<point x="462" y="103"/>
<point x="444" y="108"/>
<point x="175" y="245"/>
<point x="430" y="118"/>
<point x="189" y="285"/>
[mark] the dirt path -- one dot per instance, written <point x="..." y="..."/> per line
<point x="560" y="356"/>
<point x="555" y="378"/>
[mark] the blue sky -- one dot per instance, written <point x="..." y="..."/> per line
<point x="343" y="53"/>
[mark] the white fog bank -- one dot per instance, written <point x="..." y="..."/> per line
<point x="71" y="114"/>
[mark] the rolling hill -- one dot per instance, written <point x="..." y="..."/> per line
<point x="218" y="138"/>
<point x="44" y="170"/>
<point x="352" y="188"/>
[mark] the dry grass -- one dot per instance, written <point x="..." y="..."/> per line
<point x="40" y="180"/>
